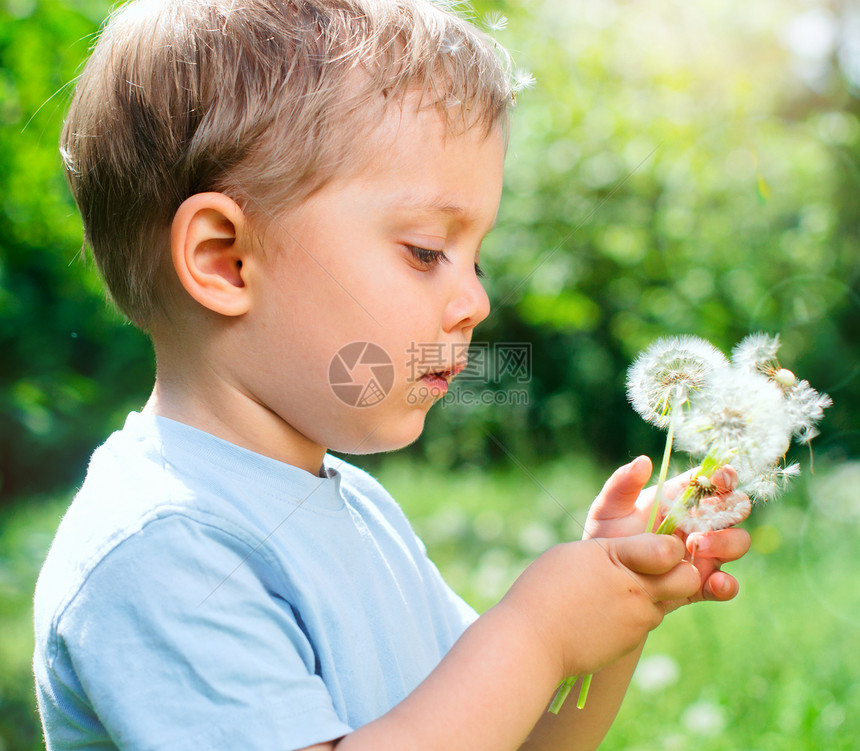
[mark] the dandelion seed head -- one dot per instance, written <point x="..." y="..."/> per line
<point x="716" y="512"/>
<point x="763" y="488"/>
<point x="805" y="407"/>
<point x="668" y="372"/>
<point x="704" y="482"/>
<point x="757" y="353"/>
<point x="739" y="419"/>
<point x="771" y="482"/>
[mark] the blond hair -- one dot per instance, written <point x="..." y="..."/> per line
<point x="263" y="100"/>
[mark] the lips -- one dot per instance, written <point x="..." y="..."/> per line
<point x="445" y="374"/>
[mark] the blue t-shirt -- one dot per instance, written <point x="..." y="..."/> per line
<point x="199" y="595"/>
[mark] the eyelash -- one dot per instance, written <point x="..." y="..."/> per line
<point x="434" y="257"/>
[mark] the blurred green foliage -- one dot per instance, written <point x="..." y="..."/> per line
<point x="678" y="168"/>
<point x="69" y="365"/>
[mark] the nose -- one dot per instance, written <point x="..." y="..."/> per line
<point x="468" y="306"/>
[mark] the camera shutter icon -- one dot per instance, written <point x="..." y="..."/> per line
<point x="361" y="374"/>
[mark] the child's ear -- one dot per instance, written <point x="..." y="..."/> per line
<point x="208" y="248"/>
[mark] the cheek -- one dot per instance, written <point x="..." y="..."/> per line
<point x="324" y="303"/>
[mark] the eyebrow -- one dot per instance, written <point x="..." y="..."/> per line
<point x="433" y="203"/>
<point x="429" y="203"/>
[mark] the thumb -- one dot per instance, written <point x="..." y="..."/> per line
<point x="621" y="490"/>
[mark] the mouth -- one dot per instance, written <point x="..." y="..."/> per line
<point x="437" y="381"/>
<point x="444" y="374"/>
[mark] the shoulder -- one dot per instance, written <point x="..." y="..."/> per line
<point x="138" y="517"/>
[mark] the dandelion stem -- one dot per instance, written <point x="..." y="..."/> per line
<point x="688" y="500"/>
<point x="583" y="691"/>
<point x="664" y="470"/>
<point x="561" y="694"/>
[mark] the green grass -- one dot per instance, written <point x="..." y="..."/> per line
<point x="778" y="669"/>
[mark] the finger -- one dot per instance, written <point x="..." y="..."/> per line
<point x="724" y="479"/>
<point x="647" y="553"/>
<point x="683" y="582"/>
<point x="671" y="488"/>
<point x="621" y="490"/>
<point x="674" y="485"/>
<point x="720" y="587"/>
<point x="722" y="545"/>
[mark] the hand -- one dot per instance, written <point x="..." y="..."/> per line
<point x="623" y="509"/>
<point x="594" y="601"/>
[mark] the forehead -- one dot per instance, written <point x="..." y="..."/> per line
<point x="413" y="161"/>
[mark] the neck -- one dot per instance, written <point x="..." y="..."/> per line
<point x="207" y="401"/>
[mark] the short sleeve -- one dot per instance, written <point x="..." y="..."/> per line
<point x="183" y="636"/>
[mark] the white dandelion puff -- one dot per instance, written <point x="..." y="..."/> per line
<point x="757" y="352"/>
<point x="667" y="373"/>
<point x="716" y="512"/>
<point x="805" y="407"/>
<point x="771" y="482"/>
<point x="739" y="419"/>
<point x="744" y="413"/>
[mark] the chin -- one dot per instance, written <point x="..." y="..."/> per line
<point x="381" y="434"/>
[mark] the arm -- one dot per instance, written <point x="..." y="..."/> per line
<point x="623" y="509"/>
<point x="578" y="608"/>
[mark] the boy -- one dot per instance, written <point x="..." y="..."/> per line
<point x="265" y="183"/>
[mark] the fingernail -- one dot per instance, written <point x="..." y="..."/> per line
<point x="701" y="544"/>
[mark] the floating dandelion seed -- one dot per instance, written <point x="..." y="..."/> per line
<point x="667" y="373"/>
<point x="521" y="79"/>
<point x="451" y="46"/>
<point x="496" y="21"/>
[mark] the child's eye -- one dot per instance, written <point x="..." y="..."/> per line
<point x="428" y="257"/>
<point x="434" y="257"/>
